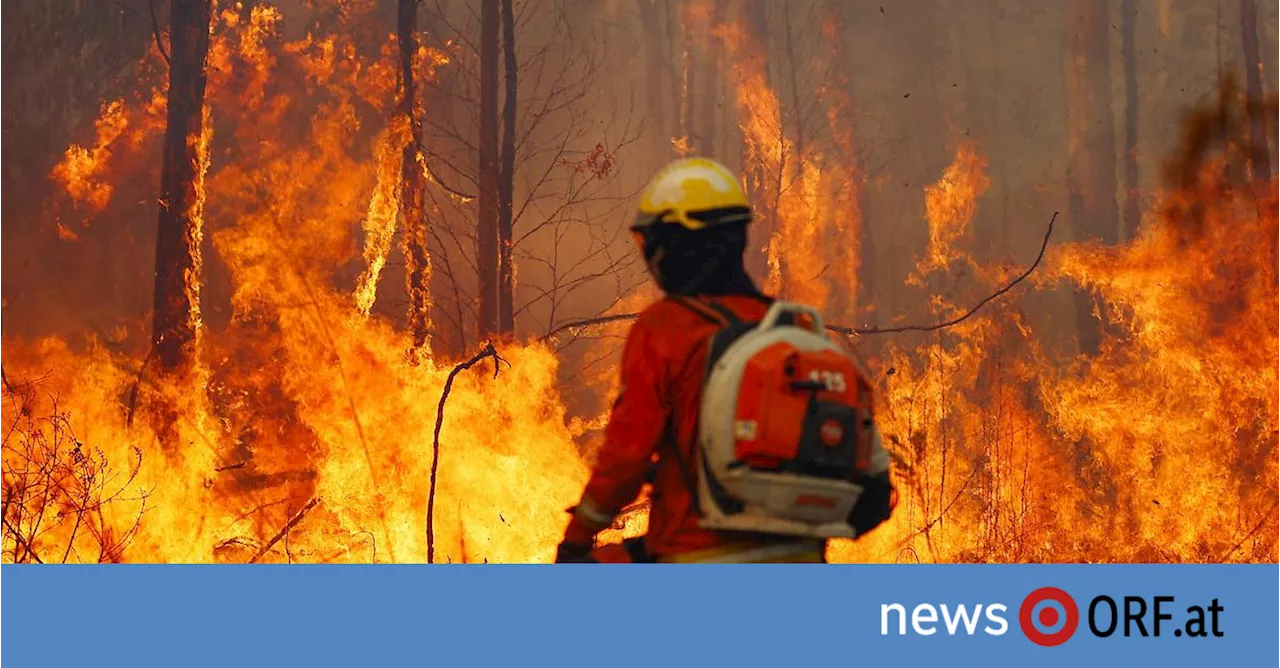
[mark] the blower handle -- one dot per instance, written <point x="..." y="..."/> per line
<point x="778" y="308"/>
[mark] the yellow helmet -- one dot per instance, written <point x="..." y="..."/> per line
<point x="694" y="193"/>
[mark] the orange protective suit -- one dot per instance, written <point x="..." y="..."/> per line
<point x="655" y="414"/>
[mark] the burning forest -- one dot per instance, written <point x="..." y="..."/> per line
<point x="347" y="280"/>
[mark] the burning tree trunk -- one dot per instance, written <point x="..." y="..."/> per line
<point x="1128" y="56"/>
<point x="1258" y="158"/>
<point x="1091" y="159"/>
<point x="487" y="205"/>
<point x="413" y="218"/>
<point x="176" y="319"/>
<point x="506" y="174"/>
<point x="852" y="216"/>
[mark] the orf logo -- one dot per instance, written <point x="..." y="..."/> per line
<point x="1048" y="616"/>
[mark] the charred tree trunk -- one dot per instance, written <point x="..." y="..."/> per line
<point x="1253" y="59"/>
<point x="1091" y="159"/>
<point x="1266" y="51"/>
<point x="1129" y="61"/>
<point x="655" y="73"/>
<point x="687" y="85"/>
<point x="1259" y="161"/>
<point x="711" y="64"/>
<point x="506" y="175"/>
<point x="753" y="19"/>
<point x="756" y="14"/>
<point x="994" y="126"/>
<point x="413" y="219"/>
<point x="671" y="23"/>
<point x="487" y="204"/>
<point x="797" y="111"/>
<point x="176" y="318"/>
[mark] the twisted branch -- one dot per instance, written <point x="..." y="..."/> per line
<point x="488" y="351"/>
<point x="855" y="331"/>
<point x="964" y="316"/>
<point x="155" y="32"/>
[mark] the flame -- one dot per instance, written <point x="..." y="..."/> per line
<point x="81" y="169"/>
<point x="380" y="222"/>
<point x="1200" y="340"/>
<point x="305" y="434"/>
<point x="681" y="146"/>
<point x="303" y="408"/>
<point x="256" y="58"/>
<point x="124" y="131"/>
<point x="951" y="203"/>
<point x="793" y="184"/>
<point x="67" y="234"/>
<point x="801" y="261"/>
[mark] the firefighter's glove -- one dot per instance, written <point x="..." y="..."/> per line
<point x="875" y="505"/>
<point x="568" y="553"/>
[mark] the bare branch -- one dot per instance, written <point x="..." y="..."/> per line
<point x="488" y="351"/>
<point x="137" y="381"/>
<point x="155" y="32"/>
<point x="964" y="316"/>
<point x="443" y="185"/>
<point x="293" y="521"/>
<point x="17" y="536"/>
<point x="854" y="331"/>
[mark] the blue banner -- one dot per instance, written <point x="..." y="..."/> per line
<point x="1060" y="615"/>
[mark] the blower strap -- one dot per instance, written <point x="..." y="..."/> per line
<point x="730" y="324"/>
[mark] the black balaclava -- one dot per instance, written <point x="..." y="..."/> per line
<point x="708" y="261"/>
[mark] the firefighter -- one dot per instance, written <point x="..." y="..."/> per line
<point x="692" y="232"/>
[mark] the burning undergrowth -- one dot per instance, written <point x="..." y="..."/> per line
<point x="1161" y="448"/>
<point x="301" y="404"/>
<point x="1174" y="424"/>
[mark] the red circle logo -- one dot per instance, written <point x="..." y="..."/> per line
<point x="831" y="433"/>
<point x="1048" y="616"/>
